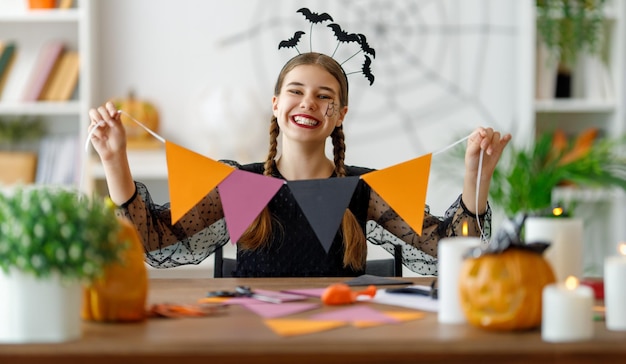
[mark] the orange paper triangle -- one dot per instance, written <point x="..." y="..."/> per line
<point x="191" y="176"/>
<point x="291" y="327"/>
<point x="404" y="187"/>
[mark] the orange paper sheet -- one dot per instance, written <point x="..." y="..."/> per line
<point x="288" y="327"/>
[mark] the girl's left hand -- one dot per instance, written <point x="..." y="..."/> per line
<point x="492" y="142"/>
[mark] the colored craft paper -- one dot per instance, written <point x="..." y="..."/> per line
<point x="404" y="187"/>
<point x="324" y="202"/>
<point x="356" y="313"/>
<point x="282" y="296"/>
<point x="244" y="195"/>
<point x="400" y="316"/>
<point x="290" y="327"/>
<point x="310" y="292"/>
<point x="272" y="310"/>
<point x="191" y="176"/>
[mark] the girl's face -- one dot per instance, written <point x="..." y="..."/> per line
<point x="307" y="107"/>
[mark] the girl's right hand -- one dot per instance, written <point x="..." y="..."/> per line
<point x="109" y="139"/>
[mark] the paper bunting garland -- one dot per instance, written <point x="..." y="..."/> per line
<point x="191" y="176"/>
<point x="244" y="195"/>
<point x="404" y="187"/>
<point x="324" y="202"/>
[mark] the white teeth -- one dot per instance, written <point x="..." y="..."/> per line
<point x="305" y="121"/>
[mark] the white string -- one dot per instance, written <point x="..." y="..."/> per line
<point x="102" y="123"/>
<point x="483" y="238"/>
<point x="451" y="145"/>
<point x="480" y="169"/>
<point x="162" y="140"/>
<point x="157" y="136"/>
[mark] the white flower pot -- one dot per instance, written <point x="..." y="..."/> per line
<point x="38" y="310"/>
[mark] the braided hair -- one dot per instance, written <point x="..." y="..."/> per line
<point x="258" y="233"/>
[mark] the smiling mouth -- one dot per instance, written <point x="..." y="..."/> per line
<point x="301" y="120"/>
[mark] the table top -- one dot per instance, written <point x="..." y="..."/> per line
<point x="239" y="335"/>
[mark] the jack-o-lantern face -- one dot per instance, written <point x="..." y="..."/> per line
<point x="503" y="291"/>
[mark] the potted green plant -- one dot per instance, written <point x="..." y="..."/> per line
<point x="52" y="242"/>
<point x="525" y="178"/>
<point x="19" y="136"/>
<point x="568" y="30"/>
<point x="568" y="27"/>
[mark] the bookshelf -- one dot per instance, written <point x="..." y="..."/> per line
<point x="31" y="30"/>
<point x="592" y="104"/>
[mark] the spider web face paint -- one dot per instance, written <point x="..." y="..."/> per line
<point x="331" y="110"/>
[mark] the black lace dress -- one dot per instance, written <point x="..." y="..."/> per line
<point x="294" y="250"/>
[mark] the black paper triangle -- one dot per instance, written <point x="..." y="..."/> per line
<point x="324" y="202"/>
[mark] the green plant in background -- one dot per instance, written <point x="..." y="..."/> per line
<point x="18" y="131"/>
<point x="50" y="230"/>
<point x="524" y="182"/>
<point x="570" y="26"/>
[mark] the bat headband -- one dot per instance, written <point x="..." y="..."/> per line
<point x="342" y="37"/>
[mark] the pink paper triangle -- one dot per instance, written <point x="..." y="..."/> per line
<point x="244" y="194"/>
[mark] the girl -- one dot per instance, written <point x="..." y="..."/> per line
<point x="309" y="105"/>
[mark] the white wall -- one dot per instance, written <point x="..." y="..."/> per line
<point x="442" y="68"/>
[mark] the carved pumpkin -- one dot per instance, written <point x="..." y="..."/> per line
<point x="145" y="113"/>
<point x="120" y="295"/>
<point x="503" y="291"/>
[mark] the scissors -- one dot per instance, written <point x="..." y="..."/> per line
<point x="245" y="291"/>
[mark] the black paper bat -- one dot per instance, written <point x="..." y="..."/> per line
<point x="367" y="71"/>
<point x="291" y="42"/>
<point x="343" y="36"/>
<point x="366" y="47"/>
<point x="315" y="17"/>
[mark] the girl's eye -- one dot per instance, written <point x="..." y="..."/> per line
<point x="325" y="97"/>
<point x="295" y="92"/>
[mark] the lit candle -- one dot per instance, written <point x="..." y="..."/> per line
<point x="565" y="235"/>
<point x="615" y="290"/>
<point x="450" y="258"/>
<point x="567" y="312"/>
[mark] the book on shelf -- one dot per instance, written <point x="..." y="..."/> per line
<point x="44" y="66"/>
<point x="64" y="78"/>
<point x="66" y="4"/>
<point x="59" y="157"/>
<point x="7" y="57"/>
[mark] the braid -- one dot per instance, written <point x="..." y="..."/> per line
<point x="271" y="155"/>
<point x="355" y="244"/>
<point x="339" y="151"/>
<point x="257" y="234"/>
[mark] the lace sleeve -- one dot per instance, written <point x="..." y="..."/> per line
<point x="419" y="252"/>
<point x="196" y="236"/>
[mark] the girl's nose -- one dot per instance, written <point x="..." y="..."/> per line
<point x="308" y="103"/>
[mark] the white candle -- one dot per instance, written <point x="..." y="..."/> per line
<point x="615" y="290"/>
<point x="450" y="258"/>
<point x="565" y="235"/>
<point x="567" y="312"/>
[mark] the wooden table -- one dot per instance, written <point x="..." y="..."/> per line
<point x="240" y="336"/>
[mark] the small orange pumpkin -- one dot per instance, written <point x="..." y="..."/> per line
<point x="503" y="291"/>
<point x="120" y="295"/>
<point x="144" y="112"/>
